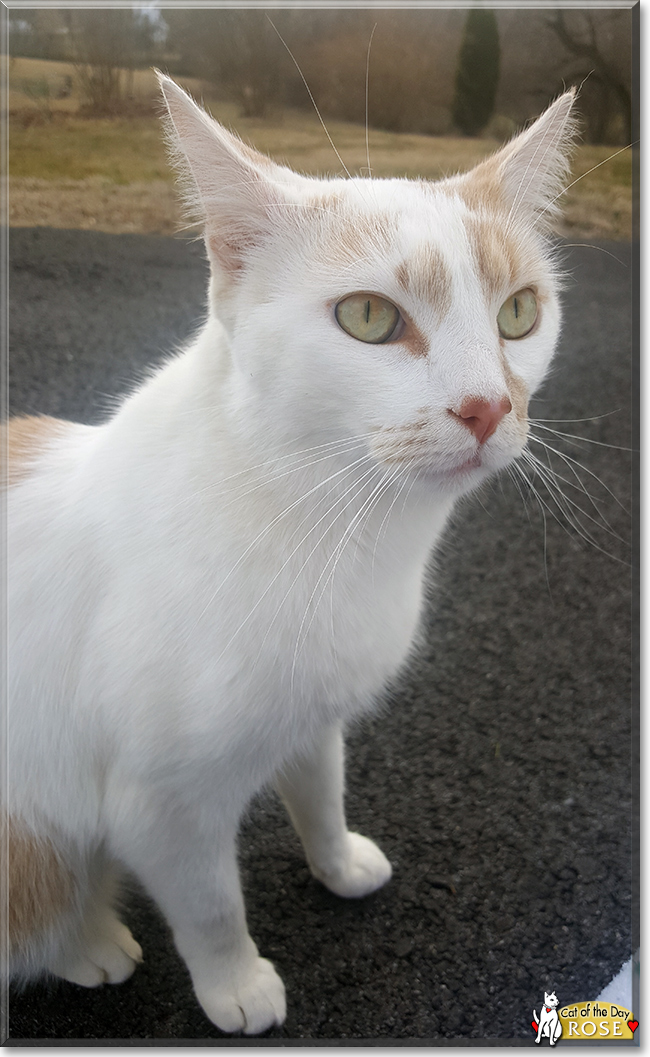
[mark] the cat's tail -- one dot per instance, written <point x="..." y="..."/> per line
<point x="536" y="1017"/>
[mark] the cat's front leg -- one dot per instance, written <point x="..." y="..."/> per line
<point x="190" y="869"/>
<point x="311" y="786"/>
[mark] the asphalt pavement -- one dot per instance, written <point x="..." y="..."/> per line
<point x="499" y="776"/>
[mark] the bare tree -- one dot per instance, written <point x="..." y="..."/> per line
<point x="411" y="67"/>
<point x="106" y="44"/>
<point x="603" y="56"/>
<point x="412" y="62"/>
<point x="237" y="50"/>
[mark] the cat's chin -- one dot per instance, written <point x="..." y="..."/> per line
<point x="456" y="480"/>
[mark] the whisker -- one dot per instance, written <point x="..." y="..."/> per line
<point x="537" y="497"/>
<point x="406" y="497"/>
<point x="372" y="470"/>
<point x="567" y="458"/>
<point x="516" y="467"/>
<point x="335" y="555"/>
<point x="592" y="246"/>
<point x="269" y="475"/>
<point x="559" y="499"/>
<point x="585" y="440"/>
<point x="565" y="504"/>
<point x="370" y="503"/>
<point x="551" y="478"/>
<point x="579" y="178"/>
<point x="393" y="474"/>
<point x="372" y="474"/>
<point x="592" y="418"/>
<point x="347" y="470"/>
<point x="513" y="477"/>
<point x="367" y="84"/>
<point x="306" y="465"/>
<point x="383" y="487"/>
<point x="309" y="92"/>
<point x="405" y="471"/>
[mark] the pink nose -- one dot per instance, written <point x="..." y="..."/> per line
<point x="482" y="416"/>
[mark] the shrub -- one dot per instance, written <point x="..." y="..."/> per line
<point x="477" y="74"/>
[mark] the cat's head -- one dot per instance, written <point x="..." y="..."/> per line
<point x="418" y="315"/>
<point x="551" y="1000"/>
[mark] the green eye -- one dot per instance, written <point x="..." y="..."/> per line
<point x="517" y="315"/>
<point x="367" y="317"/>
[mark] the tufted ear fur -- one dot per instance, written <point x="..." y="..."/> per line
<point x="530" y="172"/>
<point x="227" y="186"/>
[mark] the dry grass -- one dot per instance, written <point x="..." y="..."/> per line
<point x="95" y="205"/>
<point x="112" y="175"/>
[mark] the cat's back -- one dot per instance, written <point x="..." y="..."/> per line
<point x="46" y="464"/>
<point x="50" y="580"/>
<point x="43" y="462"/>
<point x="25" y="439"/>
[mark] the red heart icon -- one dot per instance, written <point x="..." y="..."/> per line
<point x="633" y="1025"/>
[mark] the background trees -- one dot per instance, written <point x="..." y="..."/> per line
<point x="434" y="71"/>
<point x="477" y="73"/>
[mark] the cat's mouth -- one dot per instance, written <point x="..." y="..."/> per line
<point x="474" y="462"/>
<point x="459" y="475"/>
<point x="452" y="468"/>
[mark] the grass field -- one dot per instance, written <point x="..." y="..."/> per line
<point x="112" y="174"/>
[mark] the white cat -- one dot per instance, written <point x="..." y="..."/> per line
<point x="205" y="589"/>
<point x="548" y="1021"/>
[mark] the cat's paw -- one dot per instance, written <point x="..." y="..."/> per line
<point x="252" y="1005"/>
<point x="109" y="958"/>
<point x="362" y="869"/>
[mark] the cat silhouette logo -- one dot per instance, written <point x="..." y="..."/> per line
<point x="547" y="1025"/>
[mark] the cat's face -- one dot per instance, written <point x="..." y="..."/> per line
<point x="550" y="1000"/>
<point x="418" y="316"/>
<point x="382" y="317"/>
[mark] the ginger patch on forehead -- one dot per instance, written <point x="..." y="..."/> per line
<point x="495" y="255"/>
<point x="481" y="187"/>
<point x="425" y="275"/>
<point x="360" y="237"/>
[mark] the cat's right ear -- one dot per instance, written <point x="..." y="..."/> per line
<point x="228" y="187"/>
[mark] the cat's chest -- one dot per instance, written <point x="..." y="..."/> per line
<point x="239" y="632"/>
<point x="322" y="622"/>
<point x="262" y="682"/>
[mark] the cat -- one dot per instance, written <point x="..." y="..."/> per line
<point x="548" y="1022"/>
<point x="207" y="587"/>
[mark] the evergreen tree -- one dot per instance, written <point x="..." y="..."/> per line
<point x="477" y="74"/>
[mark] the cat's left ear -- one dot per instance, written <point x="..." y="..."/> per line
<point x="531" y="171"/>
<point x="228" y="187"/>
